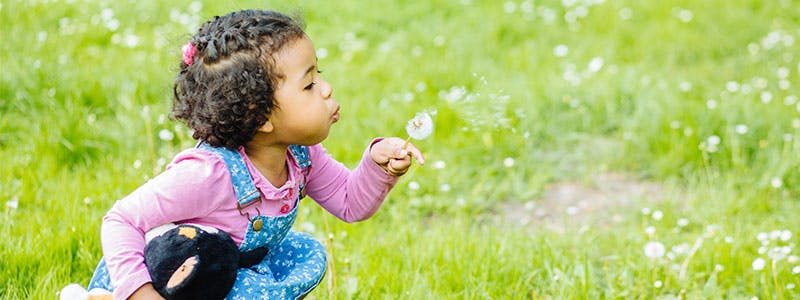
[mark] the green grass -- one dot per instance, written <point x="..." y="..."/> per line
<point x="85" y="91"/>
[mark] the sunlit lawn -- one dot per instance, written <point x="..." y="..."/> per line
<point x="582" y="149"/>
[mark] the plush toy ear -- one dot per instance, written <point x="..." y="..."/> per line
<point x="183" y="274"/>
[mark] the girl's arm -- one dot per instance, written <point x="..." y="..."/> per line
<point x="192" y="186"/>
<point x="146" y="292"/>
<point x="351" y="195"/>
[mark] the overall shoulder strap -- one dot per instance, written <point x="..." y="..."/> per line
<point x="246" y="191"/>
<point x="301" y="155"/>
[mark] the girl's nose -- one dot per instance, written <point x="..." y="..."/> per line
<point x="326" y="89"/>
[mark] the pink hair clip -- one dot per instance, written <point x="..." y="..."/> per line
<point x="188" y="53"/>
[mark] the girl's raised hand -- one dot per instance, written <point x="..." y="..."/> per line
<point x="392" y="157"/>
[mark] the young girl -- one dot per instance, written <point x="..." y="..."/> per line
<point x="250" y="88"/>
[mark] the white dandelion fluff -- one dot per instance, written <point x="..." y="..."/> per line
<point x="654" y="250"/>
<point x="413" y="185"/>
<point x="657" y="215"/>
<point x="165" y="135"/>
<point x="508" y="162"/>
<point x="13" y="203"/>
<point x="759" y="264"/>
<point x="420" y="127"/>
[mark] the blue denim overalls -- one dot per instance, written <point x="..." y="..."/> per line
<point x="295" y="263"/>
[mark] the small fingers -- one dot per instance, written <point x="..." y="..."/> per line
<point x="414" y="151"/>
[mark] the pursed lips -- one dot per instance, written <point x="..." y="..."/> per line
<point x="335" y="115"/>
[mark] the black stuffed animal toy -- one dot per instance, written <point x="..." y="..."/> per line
<point x="189" y="261"/>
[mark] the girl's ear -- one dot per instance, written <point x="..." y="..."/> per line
<point x="267" y="127"/>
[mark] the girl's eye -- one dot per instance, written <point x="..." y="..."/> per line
<point x="310" y="86"/>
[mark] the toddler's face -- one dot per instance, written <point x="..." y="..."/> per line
<point x="305" y="108"/>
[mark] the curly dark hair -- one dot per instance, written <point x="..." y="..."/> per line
<point x="226" y="92"/>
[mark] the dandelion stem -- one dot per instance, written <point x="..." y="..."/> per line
<point x="685" y="264"/>
<point x="331" y="262"/>
<point x="405" y="145"/>
<point x="778" y="293"/>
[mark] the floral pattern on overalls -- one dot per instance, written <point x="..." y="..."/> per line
<point x="295" y="262"/>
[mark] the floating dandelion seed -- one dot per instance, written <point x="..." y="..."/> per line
<point x="419" y="128"/>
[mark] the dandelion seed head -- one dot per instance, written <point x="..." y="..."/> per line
<point x="510" y="7"/>
<point x="784" y="84"/>
<point x="783" y="72"/>
<point x="732" y="86"/>
<point x="650" y="230"/>
<point x="796" y="270"/>
<point x="645" y="211"/>
<point x="444" y="187"/>
<point x="776" y="182"/>
<point x="420" y="127"/>
<point x="685" y="15"/>
<point x="713" y="140"/>
<point x="654" y="250"/>
<point x="561" y="50"/>
<point x="595" y="64"/>
<point x="166" y="135"/>
<point x="657" y="284"/>
<point x="87" y="200"/>
<point x="685" y="86"/>
<point x="13" y="203"/>
<point x="626" y="13"/>
<point x="711" y="104"/>
<point x="785" y="235"/>
<point x="439" y="164"/>
<point x="741" y="129"/>
<point x="413" y="185"/>
<point x="790" y="286"/>
<point x="658" y="215"/>
<point x="508" y="162"/>
<point x="719" y="268"/>
<point x="790" y="100"/>
<point x="758" y="264"/>
<point x="682" y="222"/>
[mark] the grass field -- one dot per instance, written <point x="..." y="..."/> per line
<point x="583" y="149"/>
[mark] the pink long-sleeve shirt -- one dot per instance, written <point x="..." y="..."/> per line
<point x="196" y="188"/>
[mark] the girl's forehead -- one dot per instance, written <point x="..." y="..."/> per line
<point x="295" y="58"/>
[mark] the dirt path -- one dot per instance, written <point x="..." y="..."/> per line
<point x="597" y="202"/>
